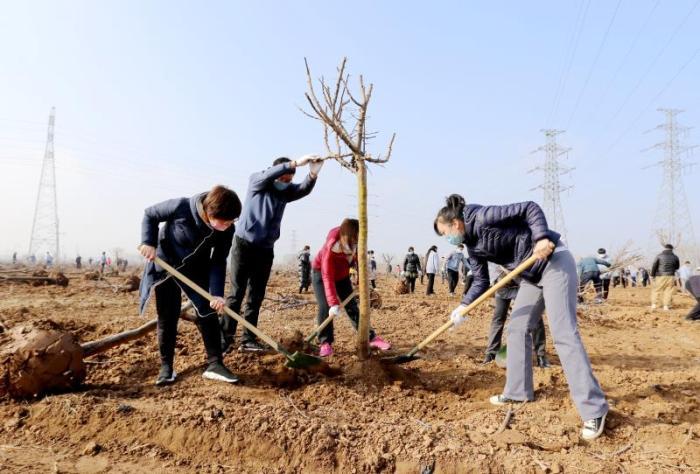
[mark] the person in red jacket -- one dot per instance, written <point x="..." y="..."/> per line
<point x="331" y="281"/>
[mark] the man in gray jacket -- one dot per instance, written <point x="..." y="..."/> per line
<point x="588" y="271"/>
<point x="258" y="229"/>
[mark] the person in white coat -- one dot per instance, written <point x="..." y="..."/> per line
<point x="432" y="268"/>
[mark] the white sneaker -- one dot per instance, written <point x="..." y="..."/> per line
<point x="499" y="400"/>
<point x="653" y="306"/>
<point x="593" y="428"/>
<point x="665" y="308"/>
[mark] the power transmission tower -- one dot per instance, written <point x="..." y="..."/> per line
<point x="552" y="188"/>
<point x="672" y="224"/>
<point x="45" y="225"/>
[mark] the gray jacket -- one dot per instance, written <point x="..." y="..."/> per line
<point x="264" y="206"/>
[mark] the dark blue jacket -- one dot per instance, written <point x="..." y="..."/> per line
<point x="264" y="205"/>
<point x="504" y="235"/>
<point x="187" y="243"/>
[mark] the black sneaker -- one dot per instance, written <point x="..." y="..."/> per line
<point x="166" y="375"/>
<point x="251" y="346"/>
<point x="488" y="358"/>
<point x="593" y="428"/>
<point x="218" y="371"/>
<point x="543" y="362"/>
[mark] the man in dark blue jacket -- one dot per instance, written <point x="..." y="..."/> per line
<point x="195" y="238"/>
<point x="508" y="235"/>
<point x="252" y="253"/>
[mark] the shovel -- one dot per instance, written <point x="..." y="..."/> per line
<point x="401" y="359"/>
<point x="297" y="360"/>
<point x="328" y="320"/>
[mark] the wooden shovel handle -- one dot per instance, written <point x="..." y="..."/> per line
<point x="328" y="320"/>
<point x="484" y="296"/>
<point x="268" y="340"/>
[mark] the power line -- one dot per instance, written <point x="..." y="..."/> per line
<point x="569" y="57"/>
<point x="624" y="59"/>
<point x="653" y="62"/>
<point x="593" y="65"/>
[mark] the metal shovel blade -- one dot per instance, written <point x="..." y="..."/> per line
<point x="400" y="359"/>
<point x="299" y="360"/>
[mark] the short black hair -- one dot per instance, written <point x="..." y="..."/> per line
<point x="668" y="247"/>
<point x="284" y="159"/>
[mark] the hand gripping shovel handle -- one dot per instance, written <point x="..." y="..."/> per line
<point x="268" y="340"/>
<point x="486" y="295"/>
<point x="328" y="320"/>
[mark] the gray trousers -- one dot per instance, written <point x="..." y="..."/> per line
<point x="558" y="286"/>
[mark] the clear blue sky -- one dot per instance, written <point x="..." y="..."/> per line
<point x="162" y="99"/>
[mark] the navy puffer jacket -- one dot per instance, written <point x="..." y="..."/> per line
<point x="504" y="235"/>
<point x="187" y="243"/>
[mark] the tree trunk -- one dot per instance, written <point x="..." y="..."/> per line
<point x="363" y="327"/>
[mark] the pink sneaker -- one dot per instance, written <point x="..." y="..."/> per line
<point x="379" y="343"/>
<point x="326" y="350"/>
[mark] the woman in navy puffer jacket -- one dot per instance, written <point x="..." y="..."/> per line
<point x="508" y="235"/>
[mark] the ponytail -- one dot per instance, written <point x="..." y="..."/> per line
<point x="453" y="209"/>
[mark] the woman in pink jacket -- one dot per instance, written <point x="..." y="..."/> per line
<point x="331" y="281"/>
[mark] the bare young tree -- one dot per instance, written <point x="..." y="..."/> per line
<point x="388" y="259"/>
<point x="343" y="115"/>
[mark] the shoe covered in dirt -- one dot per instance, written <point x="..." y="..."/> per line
<point x="251" y="346"/>
<point x="218" y="371"/>
<point x="488" y="358"/>
<point x="166" y="375"/>
<point x="379" y="343"/>
<point x="499" y="400"/>
<point x="593" y="428"/>
<point x="326" y="350"/>
<point x="543" y="362"/>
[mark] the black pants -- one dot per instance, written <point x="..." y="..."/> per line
<point x="431" y="284"/>
<point x="343" y="288"/>
<point x="452" y="279"/>
<point x="695" y="312"/>
<point x="250" y="271"/>
<point x="585" y="278"/>
<point x="374" y="283"/>
<point x="411" y="282"/>
<point x="467" y="283"/>
<point x="606" y="287"/>
<point x="168" y="299"/>
<point x="498" y="320"/>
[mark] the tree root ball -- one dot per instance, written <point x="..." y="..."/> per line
<point x="131" y="283"/>
<point x="375" y="300"/>
<point x="35" y="361"/>
<point x="401" y="287"/>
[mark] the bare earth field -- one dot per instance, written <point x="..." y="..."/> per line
<point x="431" y="415"/>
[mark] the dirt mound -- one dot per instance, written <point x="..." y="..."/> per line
<point x="91" y="276"/>
<point x="34" y="361"/>
<point x="59" y="279"/>
<point x="401" y="288"/>
<point x="130" y="283"/>
<point x="378" y="373"/>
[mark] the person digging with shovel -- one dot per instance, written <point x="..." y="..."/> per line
<point x="195" y="237"/>
<point x="269" y="192"/>
<point x="331" y="281"/>
<point x="508" y="235"/>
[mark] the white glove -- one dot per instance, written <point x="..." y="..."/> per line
<point x="315" y="167"/>
<point x="456" y="316"/>
<point x="334" y="311"/>
<point x="306" y="159"/>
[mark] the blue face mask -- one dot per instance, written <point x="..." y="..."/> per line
<point x="280" y="185"/>
<point x="455" y="239"/>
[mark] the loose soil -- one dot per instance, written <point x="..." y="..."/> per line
<point x="431" y="415"/>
